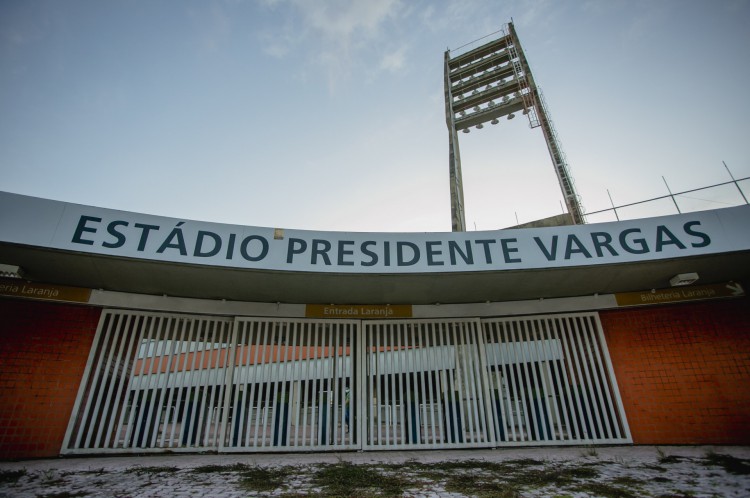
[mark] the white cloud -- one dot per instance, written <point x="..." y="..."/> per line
<point x="277" y="45"/>
<point x="345" y="20"/>
<point x="277" y="50"/>
<point x="394" y="61"/>
<point x="335" y="33"/>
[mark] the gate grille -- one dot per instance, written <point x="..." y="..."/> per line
<point x="169" y="382"/>
<point x="552" y="381"/>
<point x="426" y="385"/>
<point x="293" y="382"/>
<point x="152" y="382"/>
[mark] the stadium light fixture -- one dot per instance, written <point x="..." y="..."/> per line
<point x="474" y="81"/>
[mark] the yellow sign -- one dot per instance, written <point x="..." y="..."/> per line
<point x="358" y="311"/>
<point x="679" y="294"/>
<point x="19" y="288"/>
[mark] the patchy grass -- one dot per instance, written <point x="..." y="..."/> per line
<point x="50" y="477"/>
<point x="497" y="479"/>
<point x="346" y="479"/>
<point x="732" y="465"/>
<point x="590" y="451"/>
<point x="665" y="459"/>
<point x="475" y="478"/>
<point x="657" y="468"/>
<point x="480" y="485"/>
<point x="218" y="469"/>
<point x="555" y="475"/>
<point x="64" y="494"/>
<point x="661" y="479"/>
<point x="264" y="478"/>
<point x="252" y="478"/>
<point x="605" y="490"/>
<point x="454" y="465"/>
<point x="524" y="462"/>
<point x="11" y="476"/>
<point x="593" y="463"/>
<point x="96" y="472"/>
<point x="627" y="481"/>
<point x="671" y="459"/>
<point x="152" y="470"/>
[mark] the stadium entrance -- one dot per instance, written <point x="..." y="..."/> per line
<point x="158" y="382"/>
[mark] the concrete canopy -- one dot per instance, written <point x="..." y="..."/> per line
<point x="186" y="280"/>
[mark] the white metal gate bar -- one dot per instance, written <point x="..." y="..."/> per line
<point x="552" y="381"/>
<point x="426" y="385"/>
<point x="293" y="382"/>
<point x="152" y="382"/>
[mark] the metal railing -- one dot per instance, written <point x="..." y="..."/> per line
<point x="688" y="203"/>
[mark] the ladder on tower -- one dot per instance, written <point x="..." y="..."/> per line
<point x="536" y="109"/>
<point x="527" y="96"/>
<point x="572" y="199"/>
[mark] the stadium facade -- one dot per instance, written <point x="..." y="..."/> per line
<point x="131" y="333"/>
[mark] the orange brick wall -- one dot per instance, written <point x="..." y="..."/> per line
<point x="683" y="371"/>
<point x="43" y="352"/>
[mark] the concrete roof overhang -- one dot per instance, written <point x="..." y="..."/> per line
<point x="142" y="276"/>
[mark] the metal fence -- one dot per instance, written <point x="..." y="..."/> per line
<point x="726" y="194"/>
<point x="159" y="382"/>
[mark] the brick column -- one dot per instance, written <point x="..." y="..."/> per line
<point x="43" y="352"/>
<point x="683" y="371"/>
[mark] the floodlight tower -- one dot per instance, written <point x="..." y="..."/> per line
<point x="487" y="83"/>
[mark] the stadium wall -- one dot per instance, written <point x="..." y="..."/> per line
<point x="682" y="371"/>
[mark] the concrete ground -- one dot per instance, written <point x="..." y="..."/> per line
<point x="570" y="472"/>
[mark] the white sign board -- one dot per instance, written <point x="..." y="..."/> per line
<point x="72" y="227"/>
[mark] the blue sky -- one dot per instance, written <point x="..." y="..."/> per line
<point x="329" y="115"/>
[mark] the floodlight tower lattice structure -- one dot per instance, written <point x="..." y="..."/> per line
<point x="490" y="82"/>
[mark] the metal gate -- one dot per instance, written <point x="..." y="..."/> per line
<point x="153" y="382"/>
<point x="496" y="382"/>
<point x="426" y="385"/>
<point x="159" y="382"/>
<point x="293" y="382"/>
<point x="552" y="381"/>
